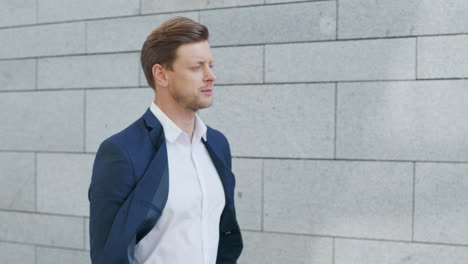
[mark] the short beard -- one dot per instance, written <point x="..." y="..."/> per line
<point x="193" y="103"/>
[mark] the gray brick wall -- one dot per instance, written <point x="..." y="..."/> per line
<point x="347" y="122"/>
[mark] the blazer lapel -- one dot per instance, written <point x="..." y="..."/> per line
<point x="155" y="129"/>
<point x="224" y="172"/>
<point x="153" y="187"/>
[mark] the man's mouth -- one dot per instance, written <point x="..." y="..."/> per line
<point x="207" y="91"/>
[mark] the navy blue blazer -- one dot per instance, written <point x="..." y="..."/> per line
<point x="129" y="189"/>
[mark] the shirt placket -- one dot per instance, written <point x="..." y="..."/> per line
<point x="202" y="185"/>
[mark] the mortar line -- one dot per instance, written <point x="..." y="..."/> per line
<point x="45" y="151"/>
<point x="59" y="22"/>
<point x="351" y="160"/>
<point x="413" y="201"/>
<point x="91" y="88"/>
<point x="84" y="119"/>
<point x="35" y="254"/>
<point x="262" y="227"/>
<point x="140" y="76"/>
<point x="237" y="45"/>
<point x="264" y="64"/>
<point x="86" y="36"/>
<point x="74" y="89"/>
<point x="246" y="44"/>
<point x="336" y="120"/>
<point x="357" y="238"/>
<point x="84" y="235"/>
<point x="257" y="157"/>
<point x="416" y="62"/>
<point x="42" y="245"/>
<point x="333" y="250"/>
<point x="337" y="20"/>
<point x="36" y="84"/>
<point x="35" y="183"/>
<point x="18" y="211"/>
<point x="66" y="55"/>
<point x="153" y="14"/>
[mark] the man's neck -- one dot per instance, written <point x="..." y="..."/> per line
<point x="183" y="118"/>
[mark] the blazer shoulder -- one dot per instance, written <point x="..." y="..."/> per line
<point x="219" y="140"/>
<point x="216" y="135"/>
<point x="127" y="135"/>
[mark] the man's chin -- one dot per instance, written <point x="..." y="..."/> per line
<point x="203" y="106"/>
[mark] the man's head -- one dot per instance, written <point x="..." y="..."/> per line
<point x="177" y="61"/>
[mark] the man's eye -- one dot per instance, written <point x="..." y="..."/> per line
<point x="196" y="67"/>
<point x="211" y="66"/>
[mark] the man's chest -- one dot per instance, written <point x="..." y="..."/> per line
<point x="194" y="184"/>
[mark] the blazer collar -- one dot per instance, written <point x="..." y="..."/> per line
<point x="156" y="133"/>
<point x="155" y="130"/>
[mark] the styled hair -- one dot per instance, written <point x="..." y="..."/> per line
<point x="161" y="45"/>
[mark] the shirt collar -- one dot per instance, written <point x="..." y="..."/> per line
<point x="172" y="131"/>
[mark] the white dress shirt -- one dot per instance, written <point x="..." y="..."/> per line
<point x="188" y="229"/>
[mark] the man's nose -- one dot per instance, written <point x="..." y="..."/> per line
<point x="209" y="75"/>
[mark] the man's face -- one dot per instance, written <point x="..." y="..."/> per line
<point x="190" y="83"/>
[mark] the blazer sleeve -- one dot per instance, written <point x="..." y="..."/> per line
<point x="230" y="241"/>
<point x="111" y="183"/>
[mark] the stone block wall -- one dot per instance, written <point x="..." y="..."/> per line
<point x="347" y="121"/>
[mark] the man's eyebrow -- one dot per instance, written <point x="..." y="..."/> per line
<point x="203" y="61"/>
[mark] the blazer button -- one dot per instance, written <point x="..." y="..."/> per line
<point x="227" y="232"/>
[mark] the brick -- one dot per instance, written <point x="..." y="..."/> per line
<point x="267" y="248"/>
<point x="339" y="198"/>
<point x="421" y="120"/>
<point x="61" y="231"/>
<point x="56" y="10"/>
<point x="385" y="18"/>
<point x="245" y="114"/>
<point x="443" y="57"/>
<point x="42" y="121"/>
<point x="441" y="202"/>
<point x="310" y="21"/>
<point x="17" y="75"/>
<point x="369" y="252"/>
<point x="124" y="34"/>
<point x="17" y="190"/>
<point x="157" y="6"/>
<point x="16" y="253"/>
<point x="89" y="71"/>
<point x="238" y="64"/>
<point x="110" y="111"/>
<point x="54" y="255"/>
<point x="63" y="175"/>
<point x="13" y="12"/>
<point x="248" y="196"/>
<point x="380" y="59"/>
<point x="42" y="40"/>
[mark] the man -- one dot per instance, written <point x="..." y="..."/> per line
<point x="162" y="190"/>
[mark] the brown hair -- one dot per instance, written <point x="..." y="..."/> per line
<point x="161" y="45"/>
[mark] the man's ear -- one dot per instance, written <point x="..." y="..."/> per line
<point x="160" y="75"/>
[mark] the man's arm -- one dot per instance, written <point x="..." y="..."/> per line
<point x="111" y="183"/>
<point x="230" y="241"/>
